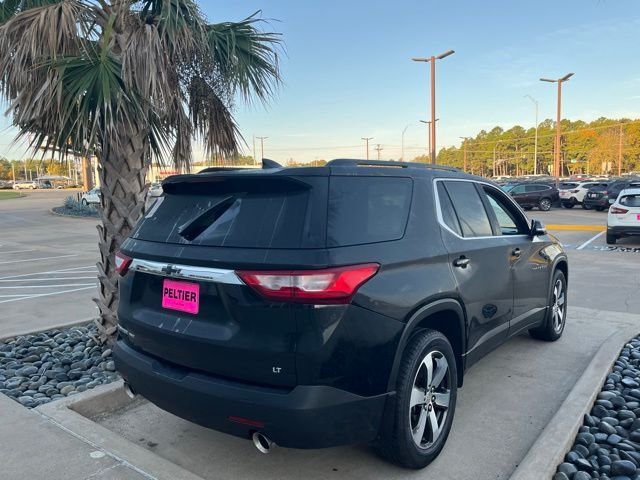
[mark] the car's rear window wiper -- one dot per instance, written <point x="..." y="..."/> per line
<point x="192" y="229"/>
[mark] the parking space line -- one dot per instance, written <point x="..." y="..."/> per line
<point x="36" y="259"/>
<point x="18" y="251"/>
<point x="49" y="286"/>
<point x="63" y="271"/>
<point x="590" y="240"/>
<point x="47" y="279"/>
<point x="38" y="295"/>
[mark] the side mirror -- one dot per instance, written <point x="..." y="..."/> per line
<point x="537" y="228"/>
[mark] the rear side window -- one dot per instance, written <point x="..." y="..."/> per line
<point x="535" y="188"/>
<point x="469" y="208"/>
<point x="367" y="209"/>
<point x="449" y="216"/>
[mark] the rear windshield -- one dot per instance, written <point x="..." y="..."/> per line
<point x="567" y="186"/>
<point x="630" y="201"/>
<point x="359" y="210"/>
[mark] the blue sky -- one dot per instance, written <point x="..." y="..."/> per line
<point x="347" y="70"/>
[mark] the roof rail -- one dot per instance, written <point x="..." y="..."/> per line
<point x="346" y="162"/>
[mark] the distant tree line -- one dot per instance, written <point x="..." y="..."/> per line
<point x="31" y="168"/>
<point x="586" y="147"/>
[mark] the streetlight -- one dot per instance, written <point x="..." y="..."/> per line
<point x="433" y="59"/>
<point x="428" y="123"/>
<point x="494" y="157"/>
<point x="403" y="132"/>
<point x="464" y="144"/>
<point x="366" y="139"/>
<point x="535" y="147"/>
<point x="262" y="139"/>
<point x="556" y="159"/>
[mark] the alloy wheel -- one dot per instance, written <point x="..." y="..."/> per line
<point x="558" y="306"/>
<point x="430" y="399"/>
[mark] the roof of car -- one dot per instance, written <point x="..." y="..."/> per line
<point x="630" y="191"/>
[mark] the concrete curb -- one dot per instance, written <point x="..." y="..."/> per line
<point x="26" y="331"/>
<point x="557" y="437"/>
<point x="53" y="212"/>
<point x="73" y="415"/>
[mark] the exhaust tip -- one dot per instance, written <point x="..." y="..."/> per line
<point x="262" y="442"/>
<point x="129" y="391"/>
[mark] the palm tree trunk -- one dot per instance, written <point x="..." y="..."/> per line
<point x="122" y="170"/>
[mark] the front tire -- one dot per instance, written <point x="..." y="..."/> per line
<point x="544" y="204"/>
<point x="84" y="202"/>
<point x="599" y="209"/>
<point x="426" y="389"/>
<point x="555" y="318"/>
<point x="586" y="207"/>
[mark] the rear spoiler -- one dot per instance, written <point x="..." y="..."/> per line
<point x="231" y="182"/>
<point x="266" y="163"/>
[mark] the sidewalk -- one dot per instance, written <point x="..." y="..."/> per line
<point x="33" y="447"/>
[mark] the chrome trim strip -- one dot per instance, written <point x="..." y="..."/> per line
<point x="187" y="272"/>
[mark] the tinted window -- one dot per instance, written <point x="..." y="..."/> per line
<point x="567" y="186"/>
<point x="536" y="188"/>
<point x="253" y="216"/>
<point x="446" y="207"/>
<point x="470" y="209"/>
<point x="517" y="189"/>
<point x="367" y="209"/>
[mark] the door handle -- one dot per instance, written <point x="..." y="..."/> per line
<point x="461" y="262"/>
<point x="516" y="252"/>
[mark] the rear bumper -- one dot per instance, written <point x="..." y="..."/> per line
<point x="624" y="230"/>
<point x="303" y="417"/>
<point x="596" y="202"/>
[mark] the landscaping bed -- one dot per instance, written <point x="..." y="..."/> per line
<point x="74" y="208"/>
<point x="41" y="367"/>
<point x="607" y="445"/>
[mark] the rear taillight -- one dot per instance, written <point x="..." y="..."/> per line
<point x="326" y="286"/>
<point x="618" y="210"/>
<point x="122" y="263"/>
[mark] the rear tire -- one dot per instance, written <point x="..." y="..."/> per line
<point x="586" y="207"/>
<point x="527" y="208"/>
<point x="544" y="204"/>
<point x="599" y="209"/>
<point x="84" y="202"/>
<point x="568" y="205"/>
<point x="611" y="238"/>
<point x="555" y="318"/>
<point x="419" y="421"/>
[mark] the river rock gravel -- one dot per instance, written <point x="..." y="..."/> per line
<point x="607" y="445"/>
<point x="38" y="368"/>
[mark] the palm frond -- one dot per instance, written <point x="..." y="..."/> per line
<point x="246" y="57"/>
<point x="212" y="120"/>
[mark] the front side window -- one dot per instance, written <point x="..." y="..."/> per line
<point x="469" y="208"/>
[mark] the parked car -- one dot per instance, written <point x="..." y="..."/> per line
<point x="624" y="215"/>
<point x="537" y="194"/>
<point x="25" y="185"/>
<point x="4" y="185"/>
<point x="321" y="306"/>
<point x="155" y="189"/>
<point x="573" y="193"/>
<point x="91" y="197"/>
<point x="599" y="198"/>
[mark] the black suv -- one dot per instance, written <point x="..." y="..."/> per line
<point x="530" y="195"/>
<point x="321" y="306"/>
<point x="601" y="197"/>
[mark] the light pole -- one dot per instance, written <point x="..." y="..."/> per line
<point x="464" y="145"/>
<point x="535" y="145"/>
<point x="556" y="156"/>
<point x="428" y="123"/>
<point x="494" y="157"/>
<point x="366" y="139"/>
<point x="378" y="149"/>
<point x="403" y="132"/>
<point x="433" y="59"/>
<point x="620" y="152"/>
<point x="262" y="139"/>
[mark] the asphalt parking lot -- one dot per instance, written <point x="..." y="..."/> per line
<point x="47" y="276"/>
<point x="47" y="264"/>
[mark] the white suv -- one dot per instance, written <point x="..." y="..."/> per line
<point x="573" y="193"/>
<point x="624" y="215"/>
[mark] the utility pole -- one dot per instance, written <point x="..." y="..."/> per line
<point x="620" y="152"/>
<point x="433" y="59"/>
<point x="494" y="157"/>
<point x="378" y="149"/>
<point x="403" y="132"/>
<point x="262" y="139"/>
<point x="428" y="123"/>
<point x="366" y="139"/>
<point x="556" y="157"/>
<point x="464" y="146"/>
<point x="535" y="145"/>
<point x="13" y="171"/>
<point x="254" y="149"/>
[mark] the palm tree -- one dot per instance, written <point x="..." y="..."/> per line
<point x="131" y="82"/>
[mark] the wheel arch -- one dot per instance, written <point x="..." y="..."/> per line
<point x="563" y="265"/>
<point x="445" y="316"/>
